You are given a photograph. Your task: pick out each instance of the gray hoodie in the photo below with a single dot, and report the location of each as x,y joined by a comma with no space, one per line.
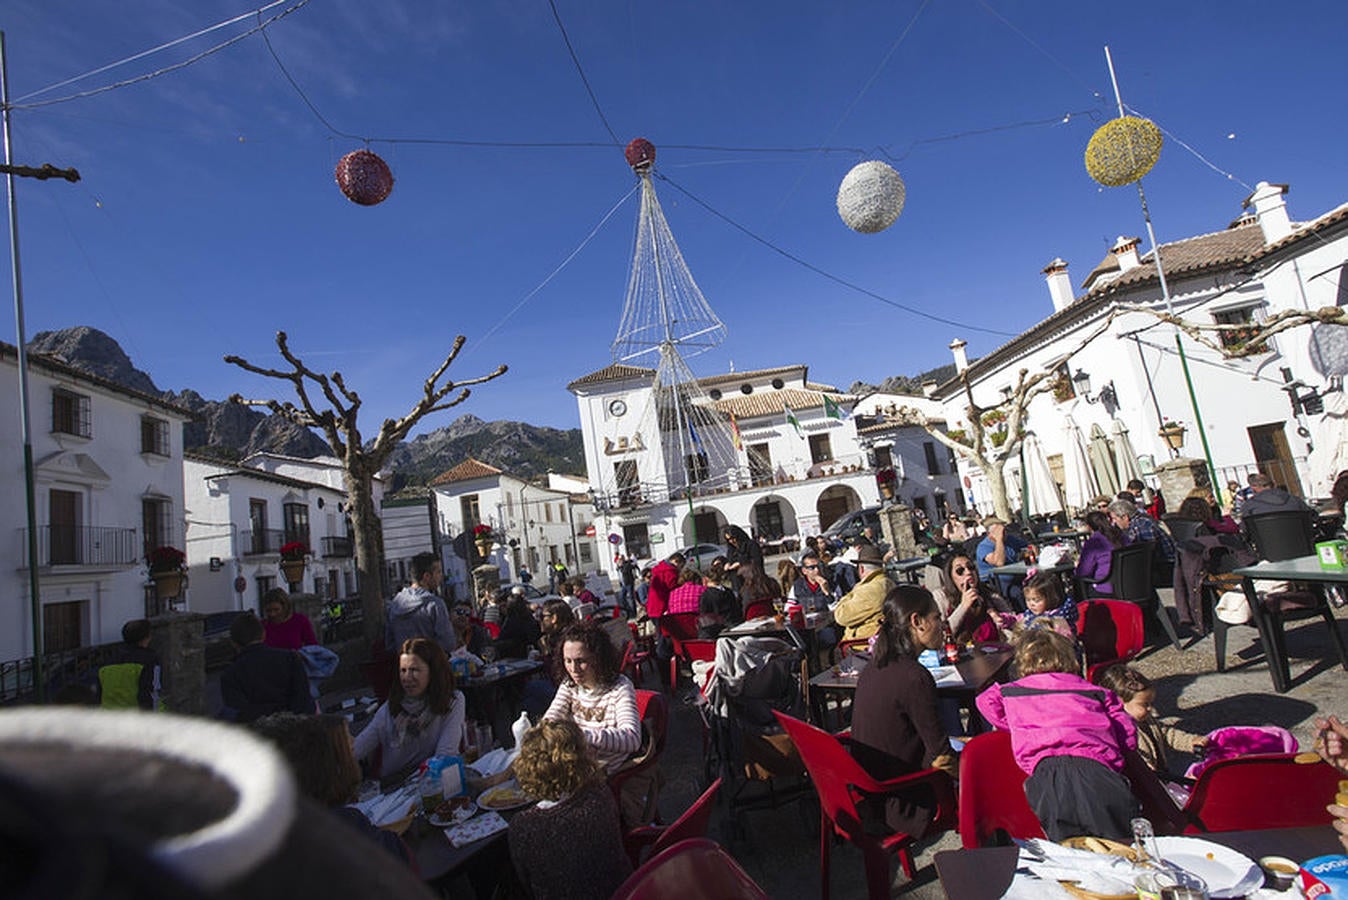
416,612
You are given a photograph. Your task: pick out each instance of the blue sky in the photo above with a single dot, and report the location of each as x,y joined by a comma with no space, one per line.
208,217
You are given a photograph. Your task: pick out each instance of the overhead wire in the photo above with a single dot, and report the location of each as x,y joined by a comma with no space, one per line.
822,272
210,51
557,17
1201,158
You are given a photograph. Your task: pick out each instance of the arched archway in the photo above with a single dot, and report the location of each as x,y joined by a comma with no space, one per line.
835,502
704,525
773,518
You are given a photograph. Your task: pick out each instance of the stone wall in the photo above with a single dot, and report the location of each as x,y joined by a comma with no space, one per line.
179,639
896,523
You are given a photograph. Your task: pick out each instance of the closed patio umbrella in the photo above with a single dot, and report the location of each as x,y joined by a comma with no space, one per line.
1102,462
1041,490
1080,486
1125,457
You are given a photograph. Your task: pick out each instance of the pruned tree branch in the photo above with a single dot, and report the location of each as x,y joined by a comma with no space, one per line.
1203,333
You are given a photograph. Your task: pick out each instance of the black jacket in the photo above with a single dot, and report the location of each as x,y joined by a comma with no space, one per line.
263,680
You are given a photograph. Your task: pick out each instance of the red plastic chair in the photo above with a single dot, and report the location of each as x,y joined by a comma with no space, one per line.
1111,631
680,628
840,782
692,824
1270,790
493,629
695,869
992,793
758,609
653,709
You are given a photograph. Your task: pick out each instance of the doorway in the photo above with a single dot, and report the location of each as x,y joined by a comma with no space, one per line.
1273,457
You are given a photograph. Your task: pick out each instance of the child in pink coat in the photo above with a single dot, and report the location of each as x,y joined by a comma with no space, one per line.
1069,736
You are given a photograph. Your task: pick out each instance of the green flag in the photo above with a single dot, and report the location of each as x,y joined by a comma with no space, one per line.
832,410
791,418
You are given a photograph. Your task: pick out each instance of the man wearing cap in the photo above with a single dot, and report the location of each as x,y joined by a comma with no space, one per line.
859,611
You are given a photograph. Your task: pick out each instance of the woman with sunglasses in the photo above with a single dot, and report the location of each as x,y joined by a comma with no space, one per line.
967,602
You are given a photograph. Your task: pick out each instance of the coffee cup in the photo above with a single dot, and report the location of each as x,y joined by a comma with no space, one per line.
1278,872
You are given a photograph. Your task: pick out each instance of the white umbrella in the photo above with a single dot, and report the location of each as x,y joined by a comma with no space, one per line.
1042,491
1080,487
1125,457
1102,462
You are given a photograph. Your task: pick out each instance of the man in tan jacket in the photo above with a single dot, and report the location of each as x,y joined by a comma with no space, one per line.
860,608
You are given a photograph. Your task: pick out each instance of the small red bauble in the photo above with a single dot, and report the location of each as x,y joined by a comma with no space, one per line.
364,177
640,155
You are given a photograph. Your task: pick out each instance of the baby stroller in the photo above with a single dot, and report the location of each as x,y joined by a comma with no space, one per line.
754,675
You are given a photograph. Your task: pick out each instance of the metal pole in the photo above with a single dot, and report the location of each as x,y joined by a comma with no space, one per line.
1169,304
34,592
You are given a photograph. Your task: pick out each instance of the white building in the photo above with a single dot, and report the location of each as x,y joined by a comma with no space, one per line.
108,476
239,517
534,525
785,482
409,524
1260,264
927,471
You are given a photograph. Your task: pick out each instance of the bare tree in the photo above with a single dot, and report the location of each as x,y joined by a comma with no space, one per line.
1252,337
335,417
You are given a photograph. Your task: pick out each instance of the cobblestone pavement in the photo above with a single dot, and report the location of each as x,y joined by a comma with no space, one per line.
780,848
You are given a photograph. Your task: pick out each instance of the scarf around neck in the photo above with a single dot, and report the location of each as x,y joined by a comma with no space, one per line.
414,718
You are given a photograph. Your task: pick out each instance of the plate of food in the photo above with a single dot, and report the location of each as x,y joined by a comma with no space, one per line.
1228,873
505,796
453,811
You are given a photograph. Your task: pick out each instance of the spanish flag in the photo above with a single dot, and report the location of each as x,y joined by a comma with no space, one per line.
735,433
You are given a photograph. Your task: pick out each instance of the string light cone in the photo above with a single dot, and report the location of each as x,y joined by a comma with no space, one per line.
364,177
1123,150
871,197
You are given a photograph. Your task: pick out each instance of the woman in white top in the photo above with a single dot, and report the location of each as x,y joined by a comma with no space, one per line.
954,531
423,717
595,695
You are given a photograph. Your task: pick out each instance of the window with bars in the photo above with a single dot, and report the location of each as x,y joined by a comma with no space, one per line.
1247,316
70,413
154,436
296,523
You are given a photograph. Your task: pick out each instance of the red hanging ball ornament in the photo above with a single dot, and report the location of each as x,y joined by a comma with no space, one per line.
640,155
364,177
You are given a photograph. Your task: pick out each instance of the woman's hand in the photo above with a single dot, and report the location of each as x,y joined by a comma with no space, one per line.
969,597
1332,742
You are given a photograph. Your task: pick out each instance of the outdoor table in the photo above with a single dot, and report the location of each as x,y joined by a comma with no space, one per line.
911,567
484,690
1302,568
1052,537
986,872
976,671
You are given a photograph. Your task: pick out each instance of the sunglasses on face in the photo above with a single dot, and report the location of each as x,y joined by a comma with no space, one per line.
809,567
961,570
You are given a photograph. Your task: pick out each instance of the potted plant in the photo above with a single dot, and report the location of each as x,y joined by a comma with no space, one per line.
484,537
887,479
1172,433
167,571
292,562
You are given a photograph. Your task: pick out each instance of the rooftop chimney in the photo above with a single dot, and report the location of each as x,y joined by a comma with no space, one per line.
961,358
929,388
1271,210
1125,252
1059,284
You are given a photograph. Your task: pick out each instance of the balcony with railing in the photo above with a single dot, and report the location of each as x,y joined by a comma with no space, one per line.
81,545
258,543
337,548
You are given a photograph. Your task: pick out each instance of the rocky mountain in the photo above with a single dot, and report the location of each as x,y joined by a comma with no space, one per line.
231,431
905,384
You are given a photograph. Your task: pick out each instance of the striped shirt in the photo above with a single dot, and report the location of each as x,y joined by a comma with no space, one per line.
607,716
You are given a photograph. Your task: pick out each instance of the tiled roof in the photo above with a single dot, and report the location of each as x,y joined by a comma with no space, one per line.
615,372
1190,256
887,425
816,386
466,471
233,469
767,403
751,375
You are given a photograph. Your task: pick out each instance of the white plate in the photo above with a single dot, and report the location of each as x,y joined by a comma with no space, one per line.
1228,873
503,796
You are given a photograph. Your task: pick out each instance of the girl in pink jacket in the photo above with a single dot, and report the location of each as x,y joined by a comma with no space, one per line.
1069,736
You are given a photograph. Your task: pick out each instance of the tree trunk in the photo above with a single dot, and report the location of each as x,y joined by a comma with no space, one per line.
369,557
1001,504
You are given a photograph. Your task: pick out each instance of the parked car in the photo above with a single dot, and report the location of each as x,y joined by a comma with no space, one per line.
531,593
853,524
699,556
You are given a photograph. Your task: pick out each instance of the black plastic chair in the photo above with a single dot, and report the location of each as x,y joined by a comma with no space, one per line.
1279,536
1130,578
1183,529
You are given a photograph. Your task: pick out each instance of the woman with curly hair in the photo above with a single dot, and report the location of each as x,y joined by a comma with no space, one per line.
594,694
569,846
423,716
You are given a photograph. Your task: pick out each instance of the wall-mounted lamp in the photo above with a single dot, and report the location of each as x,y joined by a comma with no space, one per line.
1081,382
1310,404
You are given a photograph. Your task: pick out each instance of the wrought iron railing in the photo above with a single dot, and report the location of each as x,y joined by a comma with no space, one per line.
78,666
337,547
257,543
81,545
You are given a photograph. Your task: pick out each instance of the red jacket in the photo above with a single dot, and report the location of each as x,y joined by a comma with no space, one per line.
664,578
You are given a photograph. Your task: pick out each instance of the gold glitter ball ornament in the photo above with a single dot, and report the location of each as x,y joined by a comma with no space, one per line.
1123,150
871,197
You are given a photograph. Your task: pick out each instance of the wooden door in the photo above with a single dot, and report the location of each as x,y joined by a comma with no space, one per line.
1274,457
